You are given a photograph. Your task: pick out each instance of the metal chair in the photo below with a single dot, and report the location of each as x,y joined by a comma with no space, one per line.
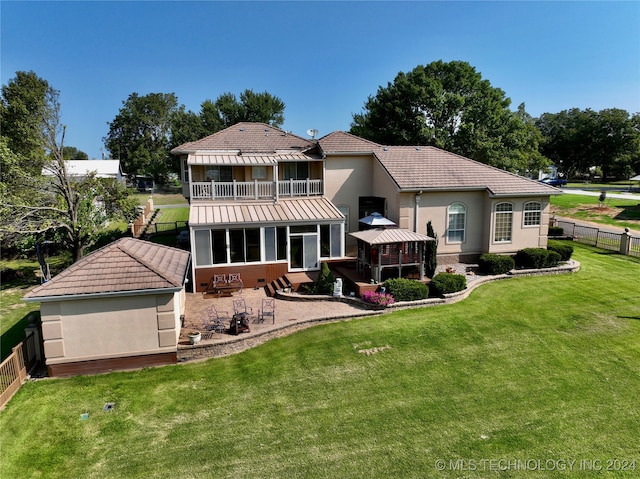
239,306
268,310
217,319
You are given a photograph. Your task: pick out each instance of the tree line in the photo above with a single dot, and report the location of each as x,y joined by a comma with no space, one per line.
445,104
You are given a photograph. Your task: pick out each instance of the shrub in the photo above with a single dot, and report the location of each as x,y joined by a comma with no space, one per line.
324,283
403,289
431,252
371,297
556,231
564,249
491,263
535,258
444,283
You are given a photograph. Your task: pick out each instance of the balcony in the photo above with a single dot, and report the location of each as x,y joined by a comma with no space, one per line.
254,190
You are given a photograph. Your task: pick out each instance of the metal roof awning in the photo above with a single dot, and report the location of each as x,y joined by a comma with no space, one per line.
285,211
389,235
239,159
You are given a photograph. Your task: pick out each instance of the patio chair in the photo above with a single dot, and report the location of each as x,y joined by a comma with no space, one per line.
217,319
268,310
239,306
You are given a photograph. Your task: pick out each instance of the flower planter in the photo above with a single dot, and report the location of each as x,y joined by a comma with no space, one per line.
194,338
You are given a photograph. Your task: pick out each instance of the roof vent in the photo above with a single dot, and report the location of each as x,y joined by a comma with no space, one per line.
241,129
385,149
417,148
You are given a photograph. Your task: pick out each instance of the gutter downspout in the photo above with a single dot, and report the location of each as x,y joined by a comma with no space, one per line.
416,216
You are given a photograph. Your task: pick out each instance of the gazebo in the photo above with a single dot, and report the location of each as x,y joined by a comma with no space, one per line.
390,248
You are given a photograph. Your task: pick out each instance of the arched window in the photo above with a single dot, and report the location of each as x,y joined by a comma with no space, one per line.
456,221
532,213
503,223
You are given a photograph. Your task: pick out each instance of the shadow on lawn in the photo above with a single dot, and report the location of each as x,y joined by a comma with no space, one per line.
15,334
629,212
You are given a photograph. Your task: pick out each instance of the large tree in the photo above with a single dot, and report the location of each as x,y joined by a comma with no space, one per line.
72,210
577,140
139,135
22,114
225,111
450,106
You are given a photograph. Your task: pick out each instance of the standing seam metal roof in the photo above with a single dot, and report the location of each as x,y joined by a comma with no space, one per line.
285,210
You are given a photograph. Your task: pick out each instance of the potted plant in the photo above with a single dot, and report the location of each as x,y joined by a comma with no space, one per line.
194,337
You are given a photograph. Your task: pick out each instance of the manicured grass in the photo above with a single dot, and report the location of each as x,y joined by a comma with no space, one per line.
526,369
626,213
171,215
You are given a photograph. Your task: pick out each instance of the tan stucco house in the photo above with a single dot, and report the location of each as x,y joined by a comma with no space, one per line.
265,202
119,307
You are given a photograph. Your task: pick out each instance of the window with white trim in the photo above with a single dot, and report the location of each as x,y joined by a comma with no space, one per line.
456,221
503,223
345,211
532,213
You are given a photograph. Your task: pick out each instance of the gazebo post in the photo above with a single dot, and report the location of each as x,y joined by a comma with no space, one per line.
420,255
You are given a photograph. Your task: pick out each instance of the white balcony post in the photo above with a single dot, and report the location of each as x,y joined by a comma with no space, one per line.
213,190
255,188
235,190
290,186
308,187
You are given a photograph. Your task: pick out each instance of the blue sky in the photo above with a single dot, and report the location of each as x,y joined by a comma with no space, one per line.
323,59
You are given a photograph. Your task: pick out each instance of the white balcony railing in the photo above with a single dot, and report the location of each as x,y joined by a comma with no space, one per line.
215,190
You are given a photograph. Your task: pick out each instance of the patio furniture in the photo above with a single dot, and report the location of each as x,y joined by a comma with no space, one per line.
217,319
220,285
268,310
239,324
239,306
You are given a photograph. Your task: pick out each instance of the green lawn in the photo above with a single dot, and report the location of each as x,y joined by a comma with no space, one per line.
171,215
527,369
618,212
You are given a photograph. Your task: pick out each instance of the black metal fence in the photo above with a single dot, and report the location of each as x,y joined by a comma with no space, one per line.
162,229
620,242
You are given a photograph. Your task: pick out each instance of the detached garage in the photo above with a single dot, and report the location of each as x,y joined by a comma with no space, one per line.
117,308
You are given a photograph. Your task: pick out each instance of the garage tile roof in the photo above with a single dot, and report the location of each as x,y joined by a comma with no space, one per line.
125,265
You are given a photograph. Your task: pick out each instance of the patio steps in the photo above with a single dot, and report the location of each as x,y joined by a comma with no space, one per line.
293,280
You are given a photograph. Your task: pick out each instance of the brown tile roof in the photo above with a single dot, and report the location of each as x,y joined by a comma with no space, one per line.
341,142
125,265
287,210
249,137
430,168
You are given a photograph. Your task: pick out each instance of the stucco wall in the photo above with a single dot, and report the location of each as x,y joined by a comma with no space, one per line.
80,330
346,179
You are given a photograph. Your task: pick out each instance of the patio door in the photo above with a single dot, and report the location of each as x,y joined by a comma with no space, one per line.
303,251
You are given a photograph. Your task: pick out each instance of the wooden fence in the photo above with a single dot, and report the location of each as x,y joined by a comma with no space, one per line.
14,369
623,243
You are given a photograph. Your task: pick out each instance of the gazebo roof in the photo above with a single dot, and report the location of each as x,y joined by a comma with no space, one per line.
389,235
